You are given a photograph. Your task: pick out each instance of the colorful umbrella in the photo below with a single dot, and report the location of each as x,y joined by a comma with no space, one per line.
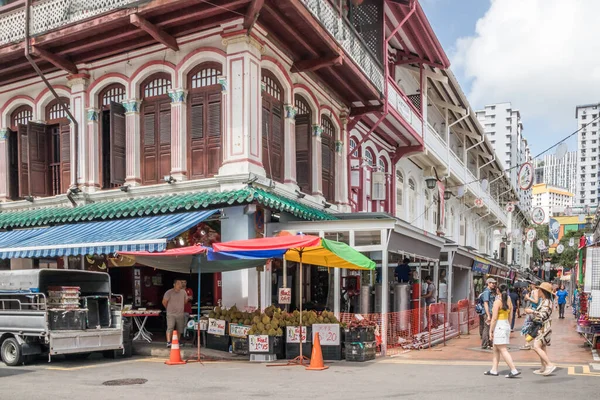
302,249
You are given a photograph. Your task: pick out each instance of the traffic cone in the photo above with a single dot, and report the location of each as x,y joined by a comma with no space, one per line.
175,356
316,359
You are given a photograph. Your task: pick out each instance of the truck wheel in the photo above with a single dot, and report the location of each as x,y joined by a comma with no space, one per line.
11,352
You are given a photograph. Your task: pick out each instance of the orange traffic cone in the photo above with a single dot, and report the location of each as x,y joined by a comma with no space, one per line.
316,359
175,356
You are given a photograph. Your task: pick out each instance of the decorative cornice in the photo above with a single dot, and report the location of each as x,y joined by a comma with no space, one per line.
78,79
132,106
290,111
178,95
92,115
222,80
243,38
317,130
4,133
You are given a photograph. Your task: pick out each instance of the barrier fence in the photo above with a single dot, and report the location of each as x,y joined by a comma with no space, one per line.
412,329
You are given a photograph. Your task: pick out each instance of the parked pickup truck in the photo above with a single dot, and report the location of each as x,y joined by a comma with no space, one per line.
58,312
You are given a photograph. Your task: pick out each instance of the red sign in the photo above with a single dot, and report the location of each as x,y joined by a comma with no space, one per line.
285,295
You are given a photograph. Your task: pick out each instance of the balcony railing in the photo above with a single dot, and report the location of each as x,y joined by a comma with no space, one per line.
345,35
53,14
399,102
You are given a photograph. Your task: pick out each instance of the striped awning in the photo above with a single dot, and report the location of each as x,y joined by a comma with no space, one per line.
103,237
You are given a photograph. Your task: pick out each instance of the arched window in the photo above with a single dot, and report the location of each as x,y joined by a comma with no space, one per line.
112,138
426,204
272,126
353,146
412,200
21,116
369,158
204,128
55,111
328,158
57,151
156,128
399,194
303,144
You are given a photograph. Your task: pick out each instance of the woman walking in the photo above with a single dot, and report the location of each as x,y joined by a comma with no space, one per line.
562,295
533,299
500,332
541,315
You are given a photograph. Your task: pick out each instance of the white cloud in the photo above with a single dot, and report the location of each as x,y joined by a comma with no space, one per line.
542,55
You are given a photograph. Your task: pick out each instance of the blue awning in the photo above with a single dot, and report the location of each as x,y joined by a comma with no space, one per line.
104,237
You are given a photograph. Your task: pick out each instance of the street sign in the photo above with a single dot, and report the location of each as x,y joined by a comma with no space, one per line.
526,176
560,248
538,215
510,207
531,234
541,245
571,242
479,202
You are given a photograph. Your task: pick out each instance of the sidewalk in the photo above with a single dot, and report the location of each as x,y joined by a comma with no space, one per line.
160,350
567,346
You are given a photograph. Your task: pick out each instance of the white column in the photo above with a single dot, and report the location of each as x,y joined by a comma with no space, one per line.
4,165
133,142
450,279
289,149
342,167
337,281
79,151
242,136
93,160
178,134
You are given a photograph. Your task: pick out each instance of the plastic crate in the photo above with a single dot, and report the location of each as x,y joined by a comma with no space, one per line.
360,351
292,350
239,346
365,334
217,342
331,353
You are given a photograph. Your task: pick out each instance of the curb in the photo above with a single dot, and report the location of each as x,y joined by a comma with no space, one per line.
186,353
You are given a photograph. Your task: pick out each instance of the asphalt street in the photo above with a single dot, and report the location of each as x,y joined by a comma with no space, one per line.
386,378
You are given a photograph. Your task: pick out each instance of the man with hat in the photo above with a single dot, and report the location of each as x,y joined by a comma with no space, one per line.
488,296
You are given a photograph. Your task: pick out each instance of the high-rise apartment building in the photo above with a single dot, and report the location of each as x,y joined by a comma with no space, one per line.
553,200
587,143
558,172
504,129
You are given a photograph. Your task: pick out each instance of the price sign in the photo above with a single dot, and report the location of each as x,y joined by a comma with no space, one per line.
203,324
239,331
329,334
258,344
216,326
293,334
285,295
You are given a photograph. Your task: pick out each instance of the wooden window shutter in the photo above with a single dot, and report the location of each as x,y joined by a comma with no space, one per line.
65,157
197,149
165,138
328,160
37,147
23,162
303,154
149,159
213,130
13,165
266,134
276,144
117,144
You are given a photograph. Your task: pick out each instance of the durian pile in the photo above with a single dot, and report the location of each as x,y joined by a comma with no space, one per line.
274,320
232,315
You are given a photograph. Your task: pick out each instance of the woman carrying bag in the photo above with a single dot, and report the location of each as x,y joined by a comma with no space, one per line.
542,316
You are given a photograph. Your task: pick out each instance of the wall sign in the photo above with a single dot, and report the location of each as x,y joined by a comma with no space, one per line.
538,215
481,267
510,207
216,326
258,344
541,245
293,334
531,234
526,176
329,334
479,202
285,295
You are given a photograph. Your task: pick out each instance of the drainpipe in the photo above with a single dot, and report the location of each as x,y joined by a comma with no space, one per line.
64,107
448,137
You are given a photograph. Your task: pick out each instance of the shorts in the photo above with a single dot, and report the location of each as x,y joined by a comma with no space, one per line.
176,322
502,332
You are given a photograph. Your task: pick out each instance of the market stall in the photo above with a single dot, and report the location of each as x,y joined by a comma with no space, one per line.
587,301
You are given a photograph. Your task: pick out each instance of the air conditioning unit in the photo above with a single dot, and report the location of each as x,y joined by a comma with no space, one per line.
378,186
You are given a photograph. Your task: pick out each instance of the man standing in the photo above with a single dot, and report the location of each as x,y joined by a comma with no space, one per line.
488,296
430,297
402,271
174,301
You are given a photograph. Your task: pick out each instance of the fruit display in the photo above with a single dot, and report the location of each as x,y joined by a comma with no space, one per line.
354,324
232,315
273,320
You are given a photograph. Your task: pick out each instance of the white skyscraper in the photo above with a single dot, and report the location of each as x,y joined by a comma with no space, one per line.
586,192
504,129
558,172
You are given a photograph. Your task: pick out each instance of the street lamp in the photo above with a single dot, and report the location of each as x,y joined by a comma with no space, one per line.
447,194
431,181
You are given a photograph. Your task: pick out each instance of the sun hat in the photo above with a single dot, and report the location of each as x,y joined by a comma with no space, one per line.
490,280
547,287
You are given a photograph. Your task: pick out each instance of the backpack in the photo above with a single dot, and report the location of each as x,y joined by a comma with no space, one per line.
479,309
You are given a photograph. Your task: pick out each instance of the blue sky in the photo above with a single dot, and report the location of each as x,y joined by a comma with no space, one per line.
509,50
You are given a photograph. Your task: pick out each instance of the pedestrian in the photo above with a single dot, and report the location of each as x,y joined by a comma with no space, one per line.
542,315
174,301
514,298
562,295
533,299
430,296
402,271
502,310
488,296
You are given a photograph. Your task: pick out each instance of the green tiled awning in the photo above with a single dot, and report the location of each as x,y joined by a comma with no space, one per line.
144,206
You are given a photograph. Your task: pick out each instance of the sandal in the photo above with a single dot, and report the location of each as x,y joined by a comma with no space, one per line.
539,372
511,375
550,370
490,373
